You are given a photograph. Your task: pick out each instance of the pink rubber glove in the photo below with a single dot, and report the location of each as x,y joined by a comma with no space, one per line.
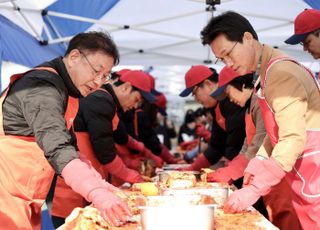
134,144
109,186
119,169
148,154
265,174
233,171
201,131
198,164
167,156
86,181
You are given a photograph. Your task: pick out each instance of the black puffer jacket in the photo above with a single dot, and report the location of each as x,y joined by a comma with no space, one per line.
35,106
227,143
146,133
95,115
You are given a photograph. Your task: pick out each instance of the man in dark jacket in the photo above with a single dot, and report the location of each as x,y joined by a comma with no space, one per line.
97,114
93,126
34,138
228,125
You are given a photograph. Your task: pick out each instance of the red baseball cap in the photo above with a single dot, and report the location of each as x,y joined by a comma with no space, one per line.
162,104
122,71
195,75
306,22
226,75
140,80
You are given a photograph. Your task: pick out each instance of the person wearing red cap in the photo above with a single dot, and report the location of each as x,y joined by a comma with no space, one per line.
36,113
239,89
129,149
228,130
140,124
307,32
93,127
288,96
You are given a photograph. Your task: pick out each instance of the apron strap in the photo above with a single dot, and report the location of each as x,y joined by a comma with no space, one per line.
14,78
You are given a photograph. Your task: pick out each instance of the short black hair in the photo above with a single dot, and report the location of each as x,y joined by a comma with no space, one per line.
215,76
199,112
245,80
94,41
114,76
189,116
231,24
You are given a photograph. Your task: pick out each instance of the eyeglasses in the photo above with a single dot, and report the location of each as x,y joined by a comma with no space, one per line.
97,74
227,55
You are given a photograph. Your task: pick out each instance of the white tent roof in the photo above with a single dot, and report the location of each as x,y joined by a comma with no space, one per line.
168,31
165,34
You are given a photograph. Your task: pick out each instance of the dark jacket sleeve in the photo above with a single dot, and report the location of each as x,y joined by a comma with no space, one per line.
120,134
42,103
217,144
147,134
95,115
235,127
227,143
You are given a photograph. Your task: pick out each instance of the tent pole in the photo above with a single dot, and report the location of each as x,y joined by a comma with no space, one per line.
54,29
17,8
82,19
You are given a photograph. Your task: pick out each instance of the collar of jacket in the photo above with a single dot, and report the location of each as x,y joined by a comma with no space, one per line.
109,88
60,67
267,54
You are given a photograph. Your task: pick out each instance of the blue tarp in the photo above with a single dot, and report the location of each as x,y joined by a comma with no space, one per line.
315,4
84,8
18,46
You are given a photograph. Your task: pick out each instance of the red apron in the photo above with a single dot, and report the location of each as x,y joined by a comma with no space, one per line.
132,161
65,199
280,210
25,176
129,159
305,176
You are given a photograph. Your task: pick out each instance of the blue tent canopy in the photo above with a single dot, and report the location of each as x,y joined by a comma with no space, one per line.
83,8
19,46
315,4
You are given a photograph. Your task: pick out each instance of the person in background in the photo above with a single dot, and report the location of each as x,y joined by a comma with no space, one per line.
307,32
164,129
202,133
93,126
202,125
228,128
289,100
239,89
130,149
187,129
35,142
139,124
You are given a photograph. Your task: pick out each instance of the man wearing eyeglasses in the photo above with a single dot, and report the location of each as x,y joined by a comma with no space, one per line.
307,32
228,124
93,126
35,143
289,100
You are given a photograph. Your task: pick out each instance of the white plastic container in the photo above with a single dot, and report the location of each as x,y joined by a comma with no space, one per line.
173,213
